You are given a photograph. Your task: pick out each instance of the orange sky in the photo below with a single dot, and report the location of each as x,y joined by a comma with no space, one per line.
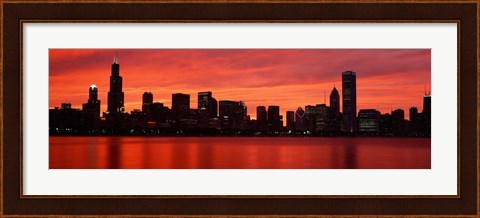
386,78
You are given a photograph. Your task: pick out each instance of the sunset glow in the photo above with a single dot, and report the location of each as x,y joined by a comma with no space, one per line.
386,78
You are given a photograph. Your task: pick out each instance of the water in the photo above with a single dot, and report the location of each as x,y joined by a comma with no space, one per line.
238,153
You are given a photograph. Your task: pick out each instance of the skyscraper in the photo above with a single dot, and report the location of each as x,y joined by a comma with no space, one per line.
207,105
310,114
349,95
261,117
91,109
398,121
243,113
274,119
180,103
261,113
415,124
115,95
93,94
369,120
233,113
335,101
413,114
290,120
427,104
300,119
93,104
427,113
147,101
322,118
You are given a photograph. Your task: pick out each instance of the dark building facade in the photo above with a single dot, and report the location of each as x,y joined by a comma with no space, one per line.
369,120
137,121
310,116
65,120
233,113
274,119
159,113
300,119
262,118
416,126
91,109
413,114
322,118
427,104
207,105
349,106
115,95
180,103
147,101
290,120
335,101
228,108
427,113
398,121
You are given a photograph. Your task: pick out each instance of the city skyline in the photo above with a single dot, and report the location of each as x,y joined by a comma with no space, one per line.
261,92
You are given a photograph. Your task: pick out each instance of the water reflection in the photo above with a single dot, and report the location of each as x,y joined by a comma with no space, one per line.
350,155
114,154
238,153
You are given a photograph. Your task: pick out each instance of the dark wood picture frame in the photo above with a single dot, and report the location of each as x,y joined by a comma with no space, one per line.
13,13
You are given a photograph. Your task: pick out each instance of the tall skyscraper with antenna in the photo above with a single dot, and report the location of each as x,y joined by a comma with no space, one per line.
115,95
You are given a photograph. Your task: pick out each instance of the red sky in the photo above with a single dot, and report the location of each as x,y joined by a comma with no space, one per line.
386,78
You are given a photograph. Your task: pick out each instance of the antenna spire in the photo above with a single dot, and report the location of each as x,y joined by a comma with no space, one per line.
115,59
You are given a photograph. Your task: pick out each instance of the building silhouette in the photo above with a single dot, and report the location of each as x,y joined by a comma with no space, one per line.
398,121
91,109
262,118
115,95
290,120
427,104
115,118
369,120
147,101
180,103
386,125
273,117
335,101
207,105
159,114
427,112
300,119
349,94
137,121
310,114
413,113
415,120
322,117
233,114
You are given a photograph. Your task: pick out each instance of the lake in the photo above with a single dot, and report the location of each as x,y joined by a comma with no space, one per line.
238,153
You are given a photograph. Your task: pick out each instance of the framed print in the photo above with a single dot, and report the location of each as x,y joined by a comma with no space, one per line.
239,108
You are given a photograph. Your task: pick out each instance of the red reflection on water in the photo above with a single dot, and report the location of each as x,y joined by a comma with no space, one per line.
238,153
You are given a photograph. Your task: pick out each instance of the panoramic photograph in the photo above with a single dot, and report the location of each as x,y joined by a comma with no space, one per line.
239,108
